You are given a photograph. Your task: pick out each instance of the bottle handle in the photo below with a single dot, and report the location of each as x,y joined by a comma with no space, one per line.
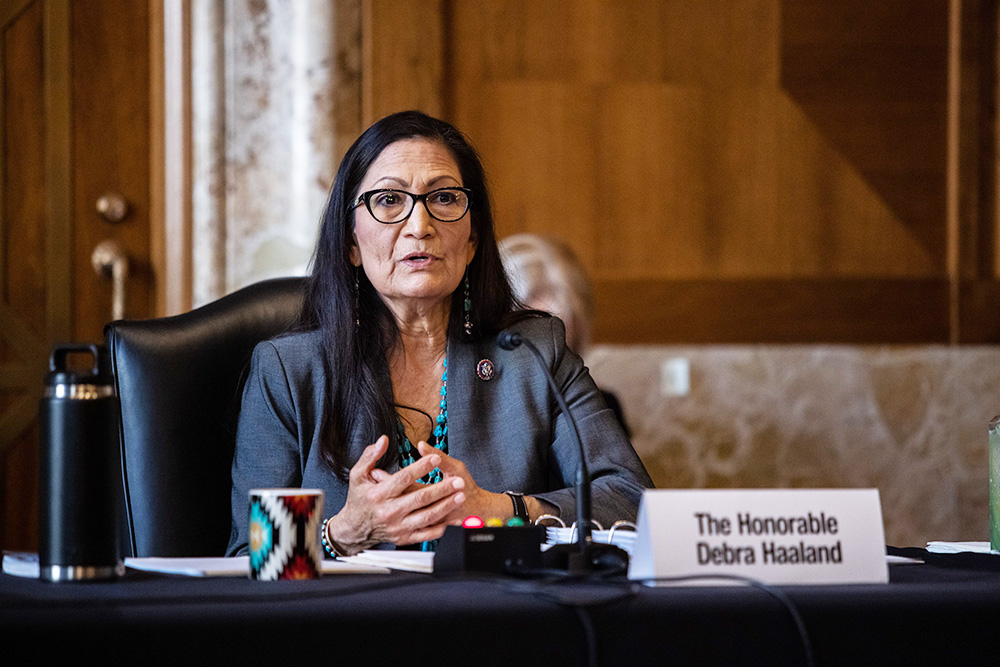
57,362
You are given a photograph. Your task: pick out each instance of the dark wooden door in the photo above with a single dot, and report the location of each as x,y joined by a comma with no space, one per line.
74,127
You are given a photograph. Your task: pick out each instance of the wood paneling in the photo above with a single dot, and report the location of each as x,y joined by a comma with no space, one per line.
973,215
977,141
25,264
979,311
403,42
873,77
786,162
111,128
773,311
685,159
35,308
348,109
24,203
74,124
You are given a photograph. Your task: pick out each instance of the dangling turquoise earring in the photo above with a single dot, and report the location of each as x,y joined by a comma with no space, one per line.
468,305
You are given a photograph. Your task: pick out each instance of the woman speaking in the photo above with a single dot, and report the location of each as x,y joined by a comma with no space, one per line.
392,395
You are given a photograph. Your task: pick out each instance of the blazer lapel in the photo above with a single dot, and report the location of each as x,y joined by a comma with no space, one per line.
469,396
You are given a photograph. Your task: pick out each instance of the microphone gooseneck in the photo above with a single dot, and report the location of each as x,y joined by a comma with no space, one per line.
585,556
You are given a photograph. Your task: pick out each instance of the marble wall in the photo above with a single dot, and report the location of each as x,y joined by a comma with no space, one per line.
909,421
266,76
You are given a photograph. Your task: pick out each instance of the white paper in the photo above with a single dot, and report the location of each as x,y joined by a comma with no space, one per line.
624,539
902,560
20,564
24,564
959,547
410,561
233,567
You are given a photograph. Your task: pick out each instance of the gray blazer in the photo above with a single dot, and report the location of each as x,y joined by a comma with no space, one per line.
509,431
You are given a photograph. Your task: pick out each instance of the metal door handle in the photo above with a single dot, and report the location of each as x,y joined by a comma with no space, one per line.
110,260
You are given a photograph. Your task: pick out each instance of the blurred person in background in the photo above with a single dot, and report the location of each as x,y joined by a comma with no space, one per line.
546,275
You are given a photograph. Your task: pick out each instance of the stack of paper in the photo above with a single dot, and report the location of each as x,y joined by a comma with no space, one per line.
237,566
959,547
26,565
411,561
622,538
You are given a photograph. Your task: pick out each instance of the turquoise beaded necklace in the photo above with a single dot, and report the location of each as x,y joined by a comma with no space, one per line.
408,452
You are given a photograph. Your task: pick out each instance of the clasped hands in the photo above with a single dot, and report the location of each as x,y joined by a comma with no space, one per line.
384,507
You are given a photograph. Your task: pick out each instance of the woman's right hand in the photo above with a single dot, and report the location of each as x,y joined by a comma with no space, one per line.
393,508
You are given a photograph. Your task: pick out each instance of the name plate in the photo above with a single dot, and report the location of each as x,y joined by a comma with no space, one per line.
790,536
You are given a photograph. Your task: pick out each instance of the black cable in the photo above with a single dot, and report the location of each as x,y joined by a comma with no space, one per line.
774,592
550,589
588,633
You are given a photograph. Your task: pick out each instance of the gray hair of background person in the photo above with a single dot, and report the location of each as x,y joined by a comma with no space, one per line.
547,275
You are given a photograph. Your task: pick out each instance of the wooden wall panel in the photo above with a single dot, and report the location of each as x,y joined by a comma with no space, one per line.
800,144
977,252
524,159
701,166
976,258
24,265
873,77
22,245
74,124
651,209
774,311
111,128
403,40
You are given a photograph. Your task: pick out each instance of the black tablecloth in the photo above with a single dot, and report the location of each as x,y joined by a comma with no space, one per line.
926,614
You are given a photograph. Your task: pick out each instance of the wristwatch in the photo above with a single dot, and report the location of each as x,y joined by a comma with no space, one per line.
520,507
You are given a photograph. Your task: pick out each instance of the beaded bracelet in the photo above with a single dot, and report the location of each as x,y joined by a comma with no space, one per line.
327,545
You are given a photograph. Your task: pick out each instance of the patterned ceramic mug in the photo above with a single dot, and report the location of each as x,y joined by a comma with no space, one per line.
284,525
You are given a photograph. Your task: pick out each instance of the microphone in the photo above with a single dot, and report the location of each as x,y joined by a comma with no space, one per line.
508,340
584,556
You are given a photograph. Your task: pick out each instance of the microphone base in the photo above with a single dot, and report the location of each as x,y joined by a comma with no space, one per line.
594,558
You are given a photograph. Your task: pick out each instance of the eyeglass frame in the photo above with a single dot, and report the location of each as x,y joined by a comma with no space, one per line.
365,198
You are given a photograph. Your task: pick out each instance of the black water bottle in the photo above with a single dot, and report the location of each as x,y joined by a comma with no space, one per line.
80,471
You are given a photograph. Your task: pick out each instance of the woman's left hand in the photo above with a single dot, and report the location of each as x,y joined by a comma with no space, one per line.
479,501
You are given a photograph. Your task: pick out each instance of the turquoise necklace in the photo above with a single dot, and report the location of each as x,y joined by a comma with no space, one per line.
408,452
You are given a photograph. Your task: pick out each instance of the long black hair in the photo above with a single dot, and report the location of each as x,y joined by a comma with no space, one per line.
356,341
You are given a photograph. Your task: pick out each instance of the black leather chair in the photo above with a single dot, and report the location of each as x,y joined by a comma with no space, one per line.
179,380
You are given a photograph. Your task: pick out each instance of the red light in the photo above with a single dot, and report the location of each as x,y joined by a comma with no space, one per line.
472,522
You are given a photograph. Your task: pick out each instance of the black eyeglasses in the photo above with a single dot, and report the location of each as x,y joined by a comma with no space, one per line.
391,206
